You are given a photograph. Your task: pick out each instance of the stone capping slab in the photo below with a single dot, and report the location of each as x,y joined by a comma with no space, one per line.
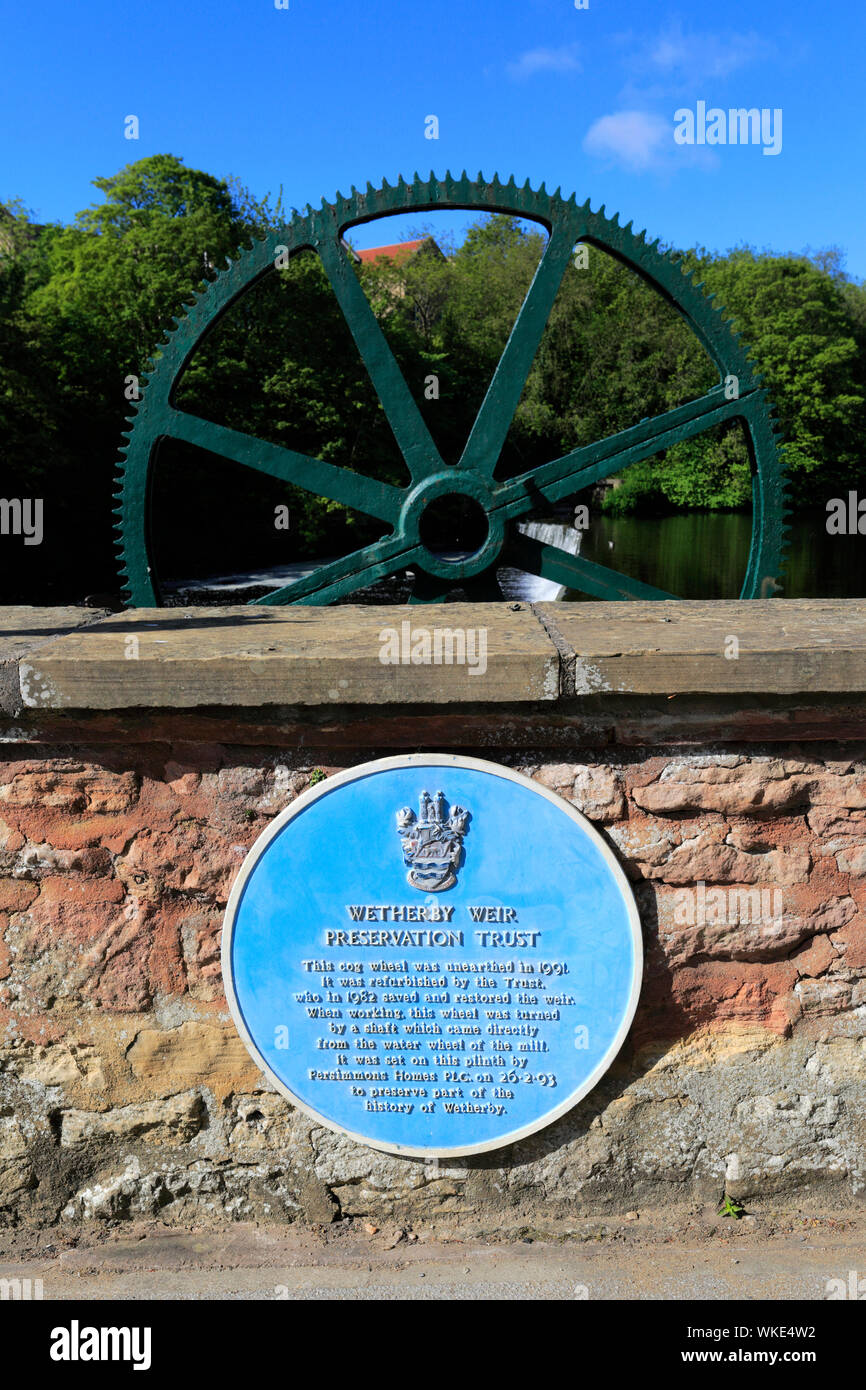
253,656
250,656
790,646
25,628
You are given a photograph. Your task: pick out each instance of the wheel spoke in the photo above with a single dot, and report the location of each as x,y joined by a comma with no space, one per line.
412,435
503,395
592,462
484,587
428,588
572,571
341,577
363,494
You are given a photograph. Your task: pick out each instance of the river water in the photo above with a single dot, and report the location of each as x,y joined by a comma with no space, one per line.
704,555
692,555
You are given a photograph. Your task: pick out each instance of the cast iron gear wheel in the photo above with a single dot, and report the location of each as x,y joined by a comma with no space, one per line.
504,502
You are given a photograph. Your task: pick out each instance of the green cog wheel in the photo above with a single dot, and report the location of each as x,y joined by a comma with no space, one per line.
504,502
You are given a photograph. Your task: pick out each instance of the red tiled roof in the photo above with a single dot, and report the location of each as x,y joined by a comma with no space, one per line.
398,253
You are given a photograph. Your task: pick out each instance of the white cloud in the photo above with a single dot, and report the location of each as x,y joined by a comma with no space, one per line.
636,139
537,60
699,56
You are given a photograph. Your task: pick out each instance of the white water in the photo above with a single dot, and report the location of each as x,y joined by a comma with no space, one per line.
529,586
516,584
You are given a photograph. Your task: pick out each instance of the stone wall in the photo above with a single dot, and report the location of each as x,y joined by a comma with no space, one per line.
124,1088
131,790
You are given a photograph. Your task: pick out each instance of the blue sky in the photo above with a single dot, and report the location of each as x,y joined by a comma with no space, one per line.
331,92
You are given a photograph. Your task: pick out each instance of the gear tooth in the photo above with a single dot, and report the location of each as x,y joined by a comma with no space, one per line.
614,221
629,228
370,190
558,193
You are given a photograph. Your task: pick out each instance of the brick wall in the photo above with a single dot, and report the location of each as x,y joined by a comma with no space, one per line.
124,1088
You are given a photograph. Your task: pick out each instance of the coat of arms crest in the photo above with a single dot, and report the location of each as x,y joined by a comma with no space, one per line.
432,842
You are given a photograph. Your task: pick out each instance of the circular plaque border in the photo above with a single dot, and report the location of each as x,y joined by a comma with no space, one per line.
353,774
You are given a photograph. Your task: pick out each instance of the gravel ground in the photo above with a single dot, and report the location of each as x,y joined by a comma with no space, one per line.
646,1257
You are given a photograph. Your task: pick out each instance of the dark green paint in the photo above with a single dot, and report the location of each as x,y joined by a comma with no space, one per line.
505,502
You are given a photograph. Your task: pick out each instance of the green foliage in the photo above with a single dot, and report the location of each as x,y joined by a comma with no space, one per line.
731,1207
800,320
83,307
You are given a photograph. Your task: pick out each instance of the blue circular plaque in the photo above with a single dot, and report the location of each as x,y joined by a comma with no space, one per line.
432,954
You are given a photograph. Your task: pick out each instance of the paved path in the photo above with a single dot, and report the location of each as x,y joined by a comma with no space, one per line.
246,1262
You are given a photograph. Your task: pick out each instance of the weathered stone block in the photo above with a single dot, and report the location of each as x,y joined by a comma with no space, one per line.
175,1120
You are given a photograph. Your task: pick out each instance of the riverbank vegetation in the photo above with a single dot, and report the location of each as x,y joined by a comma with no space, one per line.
83,306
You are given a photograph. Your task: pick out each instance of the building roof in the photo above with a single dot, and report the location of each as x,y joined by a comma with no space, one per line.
399,253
